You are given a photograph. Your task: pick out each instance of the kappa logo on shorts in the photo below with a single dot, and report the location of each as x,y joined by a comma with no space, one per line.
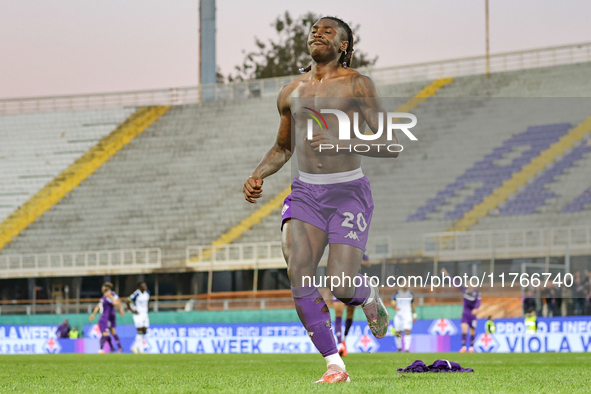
285,208
352,235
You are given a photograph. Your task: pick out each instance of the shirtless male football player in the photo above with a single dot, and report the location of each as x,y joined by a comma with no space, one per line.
331,198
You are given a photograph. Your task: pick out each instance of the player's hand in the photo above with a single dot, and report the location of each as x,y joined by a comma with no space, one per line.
474,311
324,139
122,313
414,320
253,188
91,317
397,309
134,312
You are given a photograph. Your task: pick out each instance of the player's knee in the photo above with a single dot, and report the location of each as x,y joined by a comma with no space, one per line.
300,275
343,294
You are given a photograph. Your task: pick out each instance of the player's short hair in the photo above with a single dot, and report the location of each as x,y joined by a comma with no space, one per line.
140,283
346,56
108,285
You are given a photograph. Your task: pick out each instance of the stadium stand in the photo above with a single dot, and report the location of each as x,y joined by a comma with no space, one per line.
71,177
170,186
37,147
580,203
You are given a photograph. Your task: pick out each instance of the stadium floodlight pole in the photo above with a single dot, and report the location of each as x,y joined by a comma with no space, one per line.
207,52
487,37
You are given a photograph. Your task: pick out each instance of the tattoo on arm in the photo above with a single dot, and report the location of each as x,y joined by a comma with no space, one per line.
280,152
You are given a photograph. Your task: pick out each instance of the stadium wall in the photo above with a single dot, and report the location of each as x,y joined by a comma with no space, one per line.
216,317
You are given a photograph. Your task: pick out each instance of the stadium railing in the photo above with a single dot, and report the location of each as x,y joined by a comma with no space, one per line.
443,246
132,261
500,62
507,244
235,256
223,301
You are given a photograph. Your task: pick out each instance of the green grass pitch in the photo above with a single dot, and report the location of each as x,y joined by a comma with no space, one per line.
266,373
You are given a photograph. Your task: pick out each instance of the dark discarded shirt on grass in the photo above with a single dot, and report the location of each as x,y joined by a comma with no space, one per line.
437,366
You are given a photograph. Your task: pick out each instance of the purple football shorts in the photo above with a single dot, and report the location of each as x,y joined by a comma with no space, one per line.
112,321
470,319
343,210
104,325
286,211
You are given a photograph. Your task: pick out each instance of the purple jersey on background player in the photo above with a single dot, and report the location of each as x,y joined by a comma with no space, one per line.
107,319
471,302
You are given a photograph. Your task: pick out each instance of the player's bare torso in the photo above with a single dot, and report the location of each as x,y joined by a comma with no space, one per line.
335,92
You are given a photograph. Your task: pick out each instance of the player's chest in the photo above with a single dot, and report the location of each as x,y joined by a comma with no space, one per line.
321,97
339,87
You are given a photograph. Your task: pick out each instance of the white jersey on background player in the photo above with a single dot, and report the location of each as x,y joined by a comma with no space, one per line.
402,302
141,300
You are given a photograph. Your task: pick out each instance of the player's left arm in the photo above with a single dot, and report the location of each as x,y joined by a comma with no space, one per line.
414,311
372,109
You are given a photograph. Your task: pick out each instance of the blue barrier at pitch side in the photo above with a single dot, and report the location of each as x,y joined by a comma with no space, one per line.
564,334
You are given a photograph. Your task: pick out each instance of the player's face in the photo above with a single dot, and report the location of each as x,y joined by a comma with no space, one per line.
143,287
324,41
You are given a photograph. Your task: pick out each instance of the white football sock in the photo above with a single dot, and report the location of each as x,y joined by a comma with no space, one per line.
136,342
398,342
407,340
335,359
141,344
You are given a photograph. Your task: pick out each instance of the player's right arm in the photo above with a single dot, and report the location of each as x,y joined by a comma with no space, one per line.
394,304
131,299
128,304
278,155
